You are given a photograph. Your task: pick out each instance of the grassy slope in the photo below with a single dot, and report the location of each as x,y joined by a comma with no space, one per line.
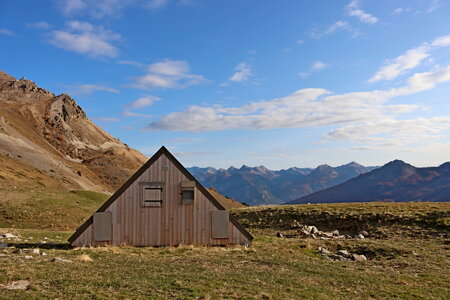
404,262
42,209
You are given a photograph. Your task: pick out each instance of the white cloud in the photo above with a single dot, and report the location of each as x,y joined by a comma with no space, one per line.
130,63
409,60
434,5
157,4
354,11
195,153
402,131
243,72
5,31
85,38
111,8
442,41
168,74
84,89
106,119
39,25
139,104
143,102
316,66
182,141
304,108
93,8
335,27
400,10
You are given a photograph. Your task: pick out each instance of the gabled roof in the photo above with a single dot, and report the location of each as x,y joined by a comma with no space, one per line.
135,176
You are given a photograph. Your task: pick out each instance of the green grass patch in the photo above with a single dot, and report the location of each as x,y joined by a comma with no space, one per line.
43,209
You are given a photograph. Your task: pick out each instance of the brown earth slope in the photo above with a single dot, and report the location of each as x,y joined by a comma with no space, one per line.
47,141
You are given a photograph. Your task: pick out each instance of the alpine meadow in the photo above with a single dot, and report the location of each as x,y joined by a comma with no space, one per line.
193,149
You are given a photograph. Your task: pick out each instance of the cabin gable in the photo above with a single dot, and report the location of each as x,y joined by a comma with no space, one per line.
161,205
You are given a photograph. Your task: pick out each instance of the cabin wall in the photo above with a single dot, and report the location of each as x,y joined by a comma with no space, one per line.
171,224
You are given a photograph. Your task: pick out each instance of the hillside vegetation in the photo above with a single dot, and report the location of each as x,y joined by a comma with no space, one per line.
406,248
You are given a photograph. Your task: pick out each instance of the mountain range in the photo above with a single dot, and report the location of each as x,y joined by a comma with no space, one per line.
48,142
259,185
396,181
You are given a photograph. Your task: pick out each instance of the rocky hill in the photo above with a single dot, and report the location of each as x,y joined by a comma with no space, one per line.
396,181
47,141
259,185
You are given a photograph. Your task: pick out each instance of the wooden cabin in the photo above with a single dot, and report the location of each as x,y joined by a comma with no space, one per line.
162,204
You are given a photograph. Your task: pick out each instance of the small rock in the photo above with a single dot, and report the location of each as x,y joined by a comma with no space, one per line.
28,257
314,230
9,235
359,257
17,251
359,236
35,251
280,235
364,233
335,232
324,251
43,253
343,253
338,258
17,285
326,234
3,245
59,259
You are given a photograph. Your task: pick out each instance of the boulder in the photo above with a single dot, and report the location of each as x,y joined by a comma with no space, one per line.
359,236
359,257
9,236
17,285
324,251
335,232
35,251
280,235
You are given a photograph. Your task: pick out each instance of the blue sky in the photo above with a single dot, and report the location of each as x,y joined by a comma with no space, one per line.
221,83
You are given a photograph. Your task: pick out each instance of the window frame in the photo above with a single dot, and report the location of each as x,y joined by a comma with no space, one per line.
150,202
188,186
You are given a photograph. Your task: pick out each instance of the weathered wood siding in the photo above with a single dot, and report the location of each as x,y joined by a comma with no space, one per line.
169,225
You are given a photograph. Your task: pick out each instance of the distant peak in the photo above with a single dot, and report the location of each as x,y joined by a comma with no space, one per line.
445,166
396,162
353,163
324,167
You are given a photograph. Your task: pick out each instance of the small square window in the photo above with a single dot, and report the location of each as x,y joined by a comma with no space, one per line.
187,192
152,194
188,197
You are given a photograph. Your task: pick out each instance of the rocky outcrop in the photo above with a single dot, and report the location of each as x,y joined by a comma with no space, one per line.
53,136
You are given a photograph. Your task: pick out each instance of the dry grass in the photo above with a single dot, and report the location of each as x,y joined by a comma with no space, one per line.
399,266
